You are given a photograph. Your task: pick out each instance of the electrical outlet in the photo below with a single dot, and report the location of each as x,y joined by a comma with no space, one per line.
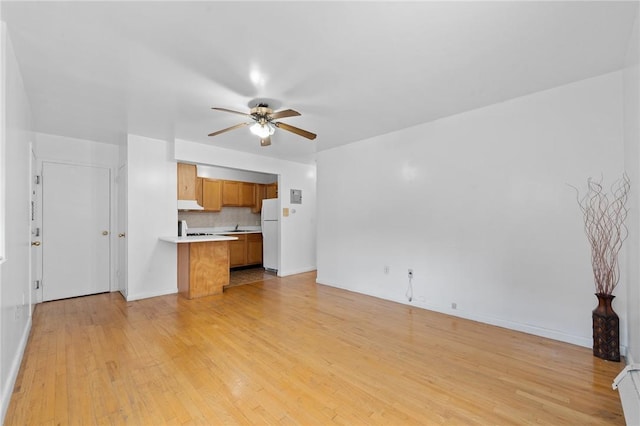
454,305
386,269
410,273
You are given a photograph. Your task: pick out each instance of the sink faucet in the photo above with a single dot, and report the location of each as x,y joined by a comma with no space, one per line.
237,227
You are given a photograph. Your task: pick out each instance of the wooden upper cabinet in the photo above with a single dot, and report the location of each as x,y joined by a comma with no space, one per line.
238,194
271,190
199,190
187,176
211,195
230,193
259,196
263,191
247,194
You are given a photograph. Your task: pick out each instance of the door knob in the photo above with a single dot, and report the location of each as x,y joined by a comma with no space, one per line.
35,243
121,235
105,232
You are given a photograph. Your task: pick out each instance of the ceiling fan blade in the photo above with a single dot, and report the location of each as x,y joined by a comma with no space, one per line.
232,111
284,113
265,141
296,130
237,126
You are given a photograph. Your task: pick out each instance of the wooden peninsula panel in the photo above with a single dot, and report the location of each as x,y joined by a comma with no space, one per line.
203,268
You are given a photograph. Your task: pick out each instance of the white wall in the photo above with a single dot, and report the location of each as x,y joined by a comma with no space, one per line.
76,151
298,231
214,172
52,148
478,205
632,164
15,290
152,213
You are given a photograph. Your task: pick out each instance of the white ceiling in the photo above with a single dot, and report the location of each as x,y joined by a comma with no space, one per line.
100,70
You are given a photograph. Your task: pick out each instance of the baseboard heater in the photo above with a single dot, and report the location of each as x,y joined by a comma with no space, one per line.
628,385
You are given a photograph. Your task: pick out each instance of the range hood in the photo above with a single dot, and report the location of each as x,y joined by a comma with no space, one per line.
189,205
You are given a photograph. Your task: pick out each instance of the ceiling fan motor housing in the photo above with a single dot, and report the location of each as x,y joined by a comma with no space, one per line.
260,113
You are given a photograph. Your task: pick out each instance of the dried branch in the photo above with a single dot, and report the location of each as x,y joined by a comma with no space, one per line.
604,216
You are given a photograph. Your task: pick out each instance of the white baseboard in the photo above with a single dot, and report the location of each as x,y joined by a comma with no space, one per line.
137,296
7,389
288,272
586,342
629,358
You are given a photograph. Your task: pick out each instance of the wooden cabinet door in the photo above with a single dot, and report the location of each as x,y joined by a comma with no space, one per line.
247,194
187,175
230,193
212,195
254,249
238,251
271,190
259,196
199,191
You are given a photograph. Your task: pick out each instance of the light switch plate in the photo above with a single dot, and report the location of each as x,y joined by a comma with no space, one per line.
285,211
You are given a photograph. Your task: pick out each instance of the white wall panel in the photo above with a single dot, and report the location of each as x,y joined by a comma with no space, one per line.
632,163
15,291
152,213
214,172
478,206
77,151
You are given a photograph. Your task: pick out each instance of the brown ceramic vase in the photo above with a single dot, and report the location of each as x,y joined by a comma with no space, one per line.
606,329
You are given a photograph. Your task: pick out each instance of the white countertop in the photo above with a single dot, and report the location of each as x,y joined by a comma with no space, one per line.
220,234
197,239
239,232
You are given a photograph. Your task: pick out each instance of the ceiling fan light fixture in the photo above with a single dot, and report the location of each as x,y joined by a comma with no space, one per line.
262,130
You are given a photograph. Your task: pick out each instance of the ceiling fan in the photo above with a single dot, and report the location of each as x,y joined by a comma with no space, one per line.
263,124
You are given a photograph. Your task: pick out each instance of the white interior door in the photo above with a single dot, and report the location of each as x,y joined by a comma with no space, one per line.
75,230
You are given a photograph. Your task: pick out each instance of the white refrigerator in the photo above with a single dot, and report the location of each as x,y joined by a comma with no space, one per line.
270,234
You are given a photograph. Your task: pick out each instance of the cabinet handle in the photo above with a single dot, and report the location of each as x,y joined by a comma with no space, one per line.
35,243
105,232
121,235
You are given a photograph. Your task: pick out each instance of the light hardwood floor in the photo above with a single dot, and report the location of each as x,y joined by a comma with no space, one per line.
288,351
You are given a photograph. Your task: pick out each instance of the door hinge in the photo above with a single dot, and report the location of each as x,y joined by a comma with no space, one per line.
37,179
37,232
36,284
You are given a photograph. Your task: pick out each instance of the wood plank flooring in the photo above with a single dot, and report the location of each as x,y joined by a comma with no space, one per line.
289,351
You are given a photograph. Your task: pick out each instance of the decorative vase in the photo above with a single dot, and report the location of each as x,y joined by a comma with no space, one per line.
606,329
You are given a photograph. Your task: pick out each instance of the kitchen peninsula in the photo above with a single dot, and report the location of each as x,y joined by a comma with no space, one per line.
203,264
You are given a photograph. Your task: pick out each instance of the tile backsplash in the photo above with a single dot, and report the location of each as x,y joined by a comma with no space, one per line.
228,216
